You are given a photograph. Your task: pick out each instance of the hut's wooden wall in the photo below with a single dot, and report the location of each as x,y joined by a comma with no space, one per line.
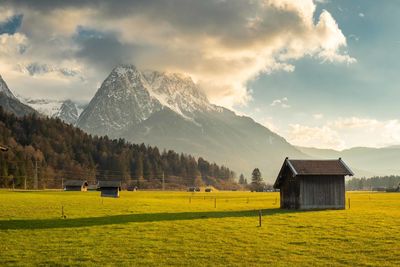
322,192
290,193
109,192
73,188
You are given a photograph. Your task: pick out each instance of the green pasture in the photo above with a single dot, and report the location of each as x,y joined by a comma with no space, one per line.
186,229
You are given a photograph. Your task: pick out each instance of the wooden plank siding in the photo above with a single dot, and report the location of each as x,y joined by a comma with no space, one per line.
290,193
110,192
322,192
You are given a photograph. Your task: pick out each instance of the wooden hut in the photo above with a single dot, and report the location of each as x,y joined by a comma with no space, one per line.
75,185
92,187
312,184
109,188
3,148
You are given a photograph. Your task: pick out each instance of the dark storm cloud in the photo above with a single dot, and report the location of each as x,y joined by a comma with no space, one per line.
102,49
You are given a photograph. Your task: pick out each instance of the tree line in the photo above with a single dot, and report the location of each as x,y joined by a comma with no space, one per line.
54,151
391,181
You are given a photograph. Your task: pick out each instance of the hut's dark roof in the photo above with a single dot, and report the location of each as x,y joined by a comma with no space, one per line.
3,148
319,167
75,183
109,184
313,167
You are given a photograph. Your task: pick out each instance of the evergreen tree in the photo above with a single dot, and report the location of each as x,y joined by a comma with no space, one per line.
241,179
256,180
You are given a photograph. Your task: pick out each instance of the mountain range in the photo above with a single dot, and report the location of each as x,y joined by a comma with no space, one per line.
170,111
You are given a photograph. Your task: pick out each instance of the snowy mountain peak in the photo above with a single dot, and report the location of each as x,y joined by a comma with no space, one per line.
66,110
46,107
175,91
122,100
178,92
124,69
129,96
5,90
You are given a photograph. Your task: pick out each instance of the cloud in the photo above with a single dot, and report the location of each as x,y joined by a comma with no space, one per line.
36,69
283,103
13,45
355,37
318,116
354,122
322,137
361,15
222,44
344,133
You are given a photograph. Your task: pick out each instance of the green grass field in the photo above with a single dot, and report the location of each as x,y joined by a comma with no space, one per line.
169,228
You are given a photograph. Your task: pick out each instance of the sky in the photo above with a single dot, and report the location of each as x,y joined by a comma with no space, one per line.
320,73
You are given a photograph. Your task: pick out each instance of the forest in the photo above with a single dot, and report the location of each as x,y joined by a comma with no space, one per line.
372,183
44,152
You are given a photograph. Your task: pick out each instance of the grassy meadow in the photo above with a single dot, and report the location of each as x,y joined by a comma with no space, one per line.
186,229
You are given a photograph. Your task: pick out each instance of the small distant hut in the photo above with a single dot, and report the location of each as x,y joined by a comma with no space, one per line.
109,188
3,148
193,189
92,187
393,189
75,185
312,184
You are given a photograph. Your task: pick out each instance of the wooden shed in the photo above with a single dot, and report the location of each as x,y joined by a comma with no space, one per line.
312,184
92,187
3,148
75,185
109,188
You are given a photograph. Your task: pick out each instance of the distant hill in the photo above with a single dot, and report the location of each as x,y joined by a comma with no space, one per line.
363,160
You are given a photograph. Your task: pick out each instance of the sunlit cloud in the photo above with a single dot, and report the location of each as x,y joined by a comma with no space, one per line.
283,103
344,133
222,44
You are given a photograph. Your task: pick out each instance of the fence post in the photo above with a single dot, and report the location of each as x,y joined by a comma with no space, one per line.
62,212
215,202
349,203
259,218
